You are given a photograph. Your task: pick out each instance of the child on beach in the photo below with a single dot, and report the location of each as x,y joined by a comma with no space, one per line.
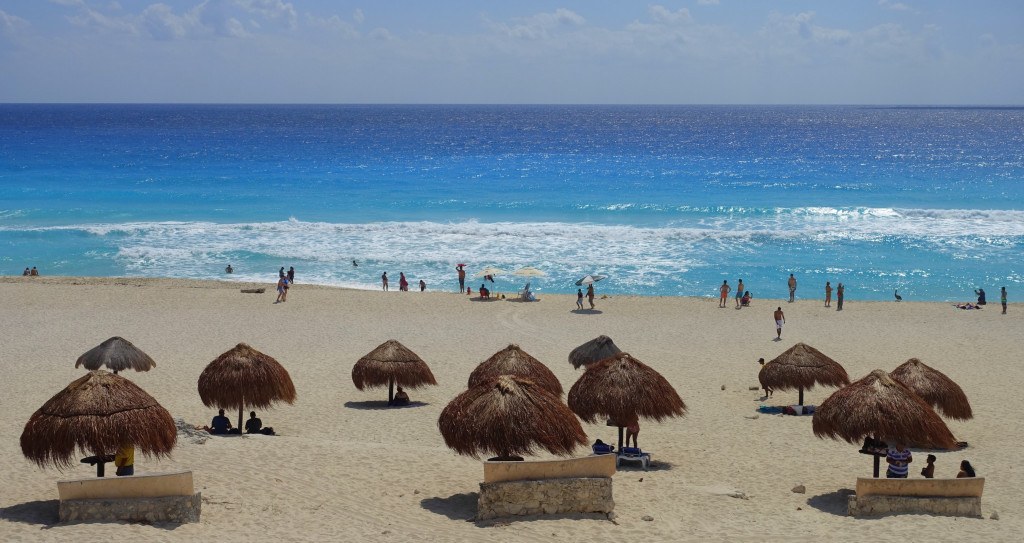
579,298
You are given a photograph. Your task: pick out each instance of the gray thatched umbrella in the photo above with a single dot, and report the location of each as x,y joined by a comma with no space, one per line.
97,413
624,389
801,367
117,354
512,360
592,351
878,406
934,387
509,415
389,364
244,377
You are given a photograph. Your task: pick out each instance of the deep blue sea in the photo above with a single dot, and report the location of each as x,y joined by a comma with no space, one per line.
664,200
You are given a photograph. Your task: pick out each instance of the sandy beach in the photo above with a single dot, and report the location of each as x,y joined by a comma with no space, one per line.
345,467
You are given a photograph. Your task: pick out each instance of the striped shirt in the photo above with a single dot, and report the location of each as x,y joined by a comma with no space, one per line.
899,456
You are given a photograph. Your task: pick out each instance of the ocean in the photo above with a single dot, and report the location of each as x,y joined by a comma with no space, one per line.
664,200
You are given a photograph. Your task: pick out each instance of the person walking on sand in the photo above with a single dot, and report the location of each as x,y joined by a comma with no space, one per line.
462,278
723,293
291,275
739,294
384,280
1002,299
840,290
403,283
780,319
828,294
280,272
590,295
792,288
282,289
579,298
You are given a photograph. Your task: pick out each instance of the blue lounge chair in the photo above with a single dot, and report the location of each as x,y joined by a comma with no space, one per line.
633,454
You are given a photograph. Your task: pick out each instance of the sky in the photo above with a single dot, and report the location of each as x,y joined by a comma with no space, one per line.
928,52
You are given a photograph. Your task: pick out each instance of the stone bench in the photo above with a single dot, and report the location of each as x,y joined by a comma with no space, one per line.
950,497
151,497
547,487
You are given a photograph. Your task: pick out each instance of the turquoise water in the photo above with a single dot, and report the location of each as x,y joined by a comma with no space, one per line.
665,200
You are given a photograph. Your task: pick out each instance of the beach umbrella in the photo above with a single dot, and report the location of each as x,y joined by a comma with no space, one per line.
117,354
592,351
96,414
244,377
935,388
509,416
489,270
624,389
512,360
881,407
389,364
529,271
801,367
590,279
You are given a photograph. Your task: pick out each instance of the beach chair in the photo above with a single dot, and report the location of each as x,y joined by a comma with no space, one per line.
633,454
525,294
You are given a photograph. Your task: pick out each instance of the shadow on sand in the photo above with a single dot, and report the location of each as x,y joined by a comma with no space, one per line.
380,405
43,512
586,311
455,507
833,502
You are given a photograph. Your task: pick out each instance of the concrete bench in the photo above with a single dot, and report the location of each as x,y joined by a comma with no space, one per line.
547,487
951,497
586,466
152,497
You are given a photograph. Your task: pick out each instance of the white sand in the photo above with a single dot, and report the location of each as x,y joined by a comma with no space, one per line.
345,469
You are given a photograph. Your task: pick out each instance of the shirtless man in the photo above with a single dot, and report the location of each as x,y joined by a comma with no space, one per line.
739,294
384,280
723,293
780,319
792,287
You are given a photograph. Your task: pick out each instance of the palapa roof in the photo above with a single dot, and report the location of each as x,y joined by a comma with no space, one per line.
880,406
592,351
391,362
509,415
624,388
512,360
934,387
97,414
244,377
802,366
117,354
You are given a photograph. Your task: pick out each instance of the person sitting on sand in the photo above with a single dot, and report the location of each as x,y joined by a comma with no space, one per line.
898,457
219,425
34,272
981,296
254,424
929,470
745,301
966,470
401,397
26,273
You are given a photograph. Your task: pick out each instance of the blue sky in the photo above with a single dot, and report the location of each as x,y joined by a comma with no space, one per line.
598,51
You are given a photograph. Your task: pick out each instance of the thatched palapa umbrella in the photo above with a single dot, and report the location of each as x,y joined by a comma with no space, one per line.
881,407
389,364
592,351
934,387
624,389
117,354
97,413
801,367
508,416
512,360
244,377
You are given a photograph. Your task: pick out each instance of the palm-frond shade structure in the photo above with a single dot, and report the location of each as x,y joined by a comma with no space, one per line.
934,387
509,416
512,360
624,389
244,377
881,407
593,351
116,354
390,364
801,367
97,414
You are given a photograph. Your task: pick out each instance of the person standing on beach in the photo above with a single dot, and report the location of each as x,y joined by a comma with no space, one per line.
792,287
280,272
291,274
403,283
282,289
423,285
1002,299
840,290
780,319
739,294
723,293
462,278
828,294
590,295
384,280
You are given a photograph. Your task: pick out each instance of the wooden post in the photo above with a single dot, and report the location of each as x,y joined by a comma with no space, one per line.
620,440
240,408
877,463
99,468
391,391
801,395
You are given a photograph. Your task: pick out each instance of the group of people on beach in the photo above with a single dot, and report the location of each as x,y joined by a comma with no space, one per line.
898,457
743,296
285,279
33,272
590,296
980,293
403,283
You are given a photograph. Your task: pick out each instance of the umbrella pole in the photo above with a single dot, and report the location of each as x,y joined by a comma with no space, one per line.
391,391
877,462
620,438
99,468
240,417
801,396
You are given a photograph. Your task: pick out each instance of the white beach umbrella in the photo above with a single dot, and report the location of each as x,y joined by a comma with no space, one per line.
590,279
489,270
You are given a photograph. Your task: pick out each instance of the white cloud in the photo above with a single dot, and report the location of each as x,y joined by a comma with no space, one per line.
661,14
358,16
160,22
334,24
541,25
894,6
272,10
11,23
